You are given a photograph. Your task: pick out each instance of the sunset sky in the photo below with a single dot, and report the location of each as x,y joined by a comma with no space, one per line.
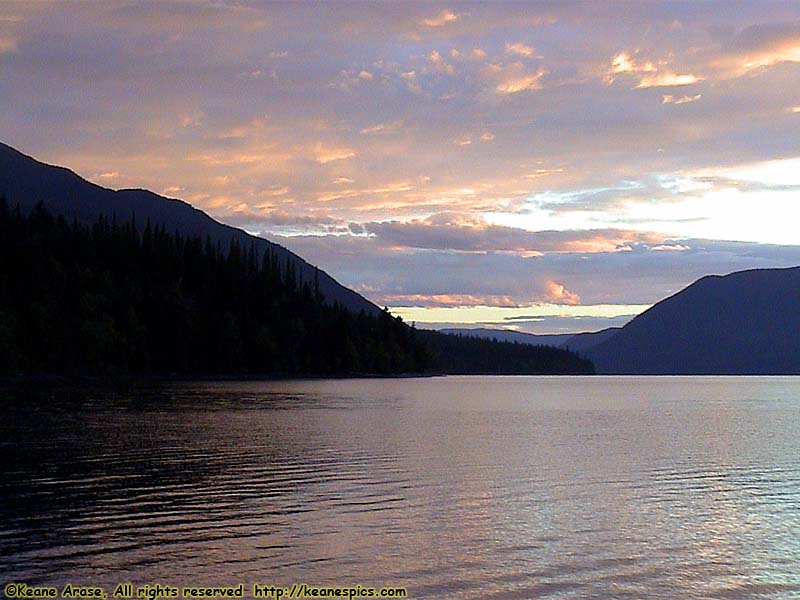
543,166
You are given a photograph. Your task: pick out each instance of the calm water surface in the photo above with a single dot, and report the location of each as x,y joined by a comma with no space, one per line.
456,487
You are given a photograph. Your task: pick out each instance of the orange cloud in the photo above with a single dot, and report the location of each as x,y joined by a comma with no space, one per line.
649,73
787,53
539,173
667,79
625,63
519,49
556,293
325,154
670,99
514,78
448,300
442,18
382,128
763,46
438,64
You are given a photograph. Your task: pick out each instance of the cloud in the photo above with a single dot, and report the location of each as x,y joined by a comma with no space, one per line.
625,63
325,154
539,173
519,48
564,179
398,276
275,219
760,46
670,99
667,79
558,294
173,15
276,191
448,300
412,83
438,64
465,233
381,128
513,78
671,248
442,18
649,73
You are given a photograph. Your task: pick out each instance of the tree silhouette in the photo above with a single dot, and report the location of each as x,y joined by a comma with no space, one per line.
111,299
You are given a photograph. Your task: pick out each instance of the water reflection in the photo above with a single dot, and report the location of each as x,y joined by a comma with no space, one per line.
455,487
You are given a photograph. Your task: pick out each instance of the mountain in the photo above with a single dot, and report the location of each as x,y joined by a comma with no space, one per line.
27,182
582,343
108,283
576,342
109,300
506,335
746,322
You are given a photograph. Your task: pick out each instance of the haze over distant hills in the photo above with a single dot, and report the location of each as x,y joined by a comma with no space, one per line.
744,323
26,181
577,342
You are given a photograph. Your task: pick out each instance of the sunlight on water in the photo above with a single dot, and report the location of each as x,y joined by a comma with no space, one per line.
457,487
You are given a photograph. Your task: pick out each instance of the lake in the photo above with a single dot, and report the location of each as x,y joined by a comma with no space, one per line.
453,487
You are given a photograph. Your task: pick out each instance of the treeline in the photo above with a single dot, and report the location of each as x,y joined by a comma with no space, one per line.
460,354
120,299
128,299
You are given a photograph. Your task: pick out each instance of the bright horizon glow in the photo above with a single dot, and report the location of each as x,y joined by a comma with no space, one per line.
469,315
715,211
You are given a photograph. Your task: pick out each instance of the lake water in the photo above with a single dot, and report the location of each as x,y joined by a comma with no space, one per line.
454,487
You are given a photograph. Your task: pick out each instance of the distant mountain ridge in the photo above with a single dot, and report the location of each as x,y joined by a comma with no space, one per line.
744,323
577,342
508,335
26,181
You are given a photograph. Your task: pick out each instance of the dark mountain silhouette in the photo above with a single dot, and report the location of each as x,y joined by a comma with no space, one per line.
26,182
107,299
100,282
582,343
747,322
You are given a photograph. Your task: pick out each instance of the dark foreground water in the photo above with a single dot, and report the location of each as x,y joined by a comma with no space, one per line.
457,487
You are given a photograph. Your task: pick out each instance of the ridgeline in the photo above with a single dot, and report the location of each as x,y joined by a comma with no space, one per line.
125,299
